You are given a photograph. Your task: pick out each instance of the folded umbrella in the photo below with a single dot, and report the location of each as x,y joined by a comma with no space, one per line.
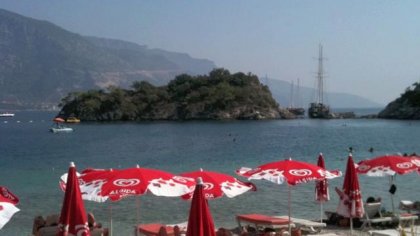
8,202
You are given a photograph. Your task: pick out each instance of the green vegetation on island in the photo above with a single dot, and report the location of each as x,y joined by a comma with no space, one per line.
219,95
407,106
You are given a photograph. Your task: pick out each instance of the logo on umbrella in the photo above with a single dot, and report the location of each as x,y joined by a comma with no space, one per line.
404,165
363,167
300,172
182,179
126,182
207,186
82,230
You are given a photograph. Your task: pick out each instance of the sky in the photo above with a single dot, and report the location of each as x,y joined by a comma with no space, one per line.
372,48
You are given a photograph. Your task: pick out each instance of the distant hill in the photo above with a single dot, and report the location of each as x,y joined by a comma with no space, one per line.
41,62
281,91
406,107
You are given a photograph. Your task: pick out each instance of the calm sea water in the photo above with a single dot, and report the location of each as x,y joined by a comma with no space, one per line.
32,160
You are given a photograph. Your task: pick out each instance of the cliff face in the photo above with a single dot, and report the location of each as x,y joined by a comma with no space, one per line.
407,106
217,96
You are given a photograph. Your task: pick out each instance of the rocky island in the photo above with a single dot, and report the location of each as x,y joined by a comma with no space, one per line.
217,96
406,107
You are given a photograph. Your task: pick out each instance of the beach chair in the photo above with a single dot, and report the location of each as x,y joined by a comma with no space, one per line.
157,229
306,225
373,215
406,219
258,223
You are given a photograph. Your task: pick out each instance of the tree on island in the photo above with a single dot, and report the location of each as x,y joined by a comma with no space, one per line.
219,95
407,106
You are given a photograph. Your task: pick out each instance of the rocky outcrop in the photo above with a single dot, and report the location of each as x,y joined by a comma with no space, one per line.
406,107
402,111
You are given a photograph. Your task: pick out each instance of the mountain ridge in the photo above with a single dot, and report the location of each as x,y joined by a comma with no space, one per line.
41,62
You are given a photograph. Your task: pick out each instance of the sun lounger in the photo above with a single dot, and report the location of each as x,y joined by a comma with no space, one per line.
385,232
373,215
156,229
306,225
260,222
326,234
410,206
406,219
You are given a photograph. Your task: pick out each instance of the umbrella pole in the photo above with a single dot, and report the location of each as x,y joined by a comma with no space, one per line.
321,211
138,211
351,225
290,211
110,218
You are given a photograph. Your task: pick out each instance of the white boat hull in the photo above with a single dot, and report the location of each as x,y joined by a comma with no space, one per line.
7,115
61,130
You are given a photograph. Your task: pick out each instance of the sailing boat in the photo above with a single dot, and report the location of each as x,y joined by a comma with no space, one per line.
298,111
318,109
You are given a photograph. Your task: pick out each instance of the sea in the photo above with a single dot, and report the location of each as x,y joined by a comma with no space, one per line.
32,159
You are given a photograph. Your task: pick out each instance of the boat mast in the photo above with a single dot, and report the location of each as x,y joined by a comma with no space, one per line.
320,77
298,99
291,103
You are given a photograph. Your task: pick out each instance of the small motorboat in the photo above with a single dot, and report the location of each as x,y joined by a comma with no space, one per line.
7,114
72,119
61,129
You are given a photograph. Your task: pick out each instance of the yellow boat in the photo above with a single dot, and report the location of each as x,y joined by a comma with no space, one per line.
72,120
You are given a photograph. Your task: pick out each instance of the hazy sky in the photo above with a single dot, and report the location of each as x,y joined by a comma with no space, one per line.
373,47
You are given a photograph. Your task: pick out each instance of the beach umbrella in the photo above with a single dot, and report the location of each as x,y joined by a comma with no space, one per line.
389,165
350,203
217,184
321,188
290,171
115,184
200,221
73,218
8,202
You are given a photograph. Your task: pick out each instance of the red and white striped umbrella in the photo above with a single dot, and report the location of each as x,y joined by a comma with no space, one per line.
351,202
291,171
389,165
8,202
321,187
200,220
73,217
115,184
217,184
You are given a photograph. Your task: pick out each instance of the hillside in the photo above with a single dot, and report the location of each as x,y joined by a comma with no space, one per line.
406,107
41,62
217,96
